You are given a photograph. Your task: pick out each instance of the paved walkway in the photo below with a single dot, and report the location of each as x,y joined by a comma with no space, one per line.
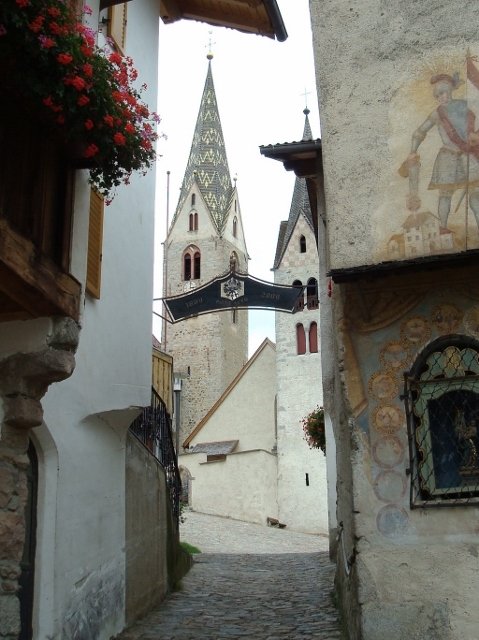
249,582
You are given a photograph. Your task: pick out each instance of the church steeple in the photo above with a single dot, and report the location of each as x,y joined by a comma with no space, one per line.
207,163
299,204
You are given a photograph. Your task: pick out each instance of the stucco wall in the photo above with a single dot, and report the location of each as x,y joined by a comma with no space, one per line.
302,486
147,530
247,412
243,486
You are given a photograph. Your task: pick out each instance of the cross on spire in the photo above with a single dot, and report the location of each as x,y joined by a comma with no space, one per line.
305,95
210,45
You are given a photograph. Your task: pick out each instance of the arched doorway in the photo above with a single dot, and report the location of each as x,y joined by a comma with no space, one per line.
27,564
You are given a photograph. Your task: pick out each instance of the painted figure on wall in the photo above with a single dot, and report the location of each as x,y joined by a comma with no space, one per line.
456,166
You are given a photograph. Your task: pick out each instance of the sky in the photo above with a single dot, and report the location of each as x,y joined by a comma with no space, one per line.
260,87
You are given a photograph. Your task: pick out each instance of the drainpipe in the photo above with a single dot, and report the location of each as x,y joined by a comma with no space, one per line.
177,390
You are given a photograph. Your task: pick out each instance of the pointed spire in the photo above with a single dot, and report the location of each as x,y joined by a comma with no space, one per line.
207,163
299,204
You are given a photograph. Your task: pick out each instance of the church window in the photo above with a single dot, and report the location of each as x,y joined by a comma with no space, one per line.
299,306
313,338
197,265
234,316
235,206
193,221
312,293
302,244
187,267
235,226
193,199
300,340
191,263
442,407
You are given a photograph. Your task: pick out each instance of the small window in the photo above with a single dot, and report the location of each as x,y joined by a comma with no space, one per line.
95,242
302,244
192,263
187,267
117,25
191,225
197,264
300,301
442,404
195,221
312,293
313,338
300,340
234,316
193,199
235,226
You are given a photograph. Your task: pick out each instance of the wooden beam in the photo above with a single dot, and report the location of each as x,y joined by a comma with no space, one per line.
33,282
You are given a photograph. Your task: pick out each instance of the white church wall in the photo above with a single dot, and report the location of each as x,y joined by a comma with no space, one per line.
243,486
302,483
247,412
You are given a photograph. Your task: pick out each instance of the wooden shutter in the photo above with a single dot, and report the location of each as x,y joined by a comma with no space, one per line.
117,25
95,242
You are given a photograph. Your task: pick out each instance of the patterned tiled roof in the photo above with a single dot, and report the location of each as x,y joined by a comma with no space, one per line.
207,163
299,205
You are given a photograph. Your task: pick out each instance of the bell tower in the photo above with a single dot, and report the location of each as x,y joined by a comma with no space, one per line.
205,236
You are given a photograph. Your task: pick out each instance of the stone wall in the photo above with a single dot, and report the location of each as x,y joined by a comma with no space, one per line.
24,379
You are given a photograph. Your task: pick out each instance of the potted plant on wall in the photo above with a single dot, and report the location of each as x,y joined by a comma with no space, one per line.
86,95
314,429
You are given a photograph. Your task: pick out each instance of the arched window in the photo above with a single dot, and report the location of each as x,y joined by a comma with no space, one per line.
187,267
193,199
300,300
302,244
192,263
313,338
312,293
197,263
193,221
300,340
233,261
235,226
442,405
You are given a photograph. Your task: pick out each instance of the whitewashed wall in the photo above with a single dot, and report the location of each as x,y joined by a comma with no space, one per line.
242,487
82,444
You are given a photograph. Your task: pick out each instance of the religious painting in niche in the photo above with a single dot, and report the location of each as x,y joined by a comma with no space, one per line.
438,168
445,418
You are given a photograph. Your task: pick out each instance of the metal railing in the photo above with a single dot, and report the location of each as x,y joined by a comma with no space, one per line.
153,429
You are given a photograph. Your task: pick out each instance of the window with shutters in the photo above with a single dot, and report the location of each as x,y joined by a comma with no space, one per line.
36,205
95,243
313,338
117,25
300,340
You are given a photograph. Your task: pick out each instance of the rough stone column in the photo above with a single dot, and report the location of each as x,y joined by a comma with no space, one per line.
24,380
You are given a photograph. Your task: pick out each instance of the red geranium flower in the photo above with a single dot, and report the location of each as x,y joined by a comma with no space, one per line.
83,100
119,139
64,58
91,151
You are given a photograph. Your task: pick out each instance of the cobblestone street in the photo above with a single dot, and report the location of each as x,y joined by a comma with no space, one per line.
249,582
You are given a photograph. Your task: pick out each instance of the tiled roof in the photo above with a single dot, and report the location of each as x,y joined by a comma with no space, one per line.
207,164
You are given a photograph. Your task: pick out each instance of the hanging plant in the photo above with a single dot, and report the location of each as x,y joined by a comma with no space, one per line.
314,429
87,94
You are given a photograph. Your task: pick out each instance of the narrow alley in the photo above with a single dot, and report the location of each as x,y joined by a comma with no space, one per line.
248,581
